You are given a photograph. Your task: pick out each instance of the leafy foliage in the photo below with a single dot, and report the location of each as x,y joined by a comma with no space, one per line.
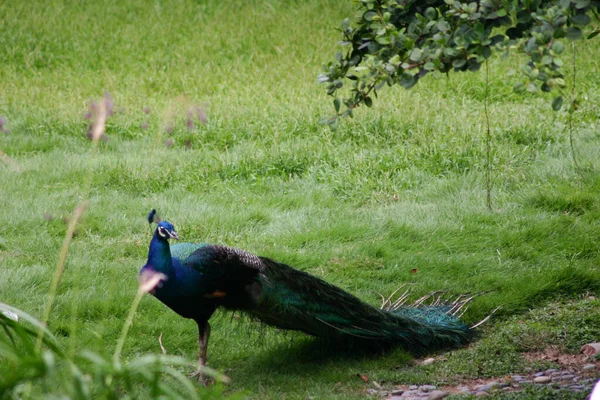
400,41
87,374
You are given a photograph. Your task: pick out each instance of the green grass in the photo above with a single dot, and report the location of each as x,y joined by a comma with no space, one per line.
400,187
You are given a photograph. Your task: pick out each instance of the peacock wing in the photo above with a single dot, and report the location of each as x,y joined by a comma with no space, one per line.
228,274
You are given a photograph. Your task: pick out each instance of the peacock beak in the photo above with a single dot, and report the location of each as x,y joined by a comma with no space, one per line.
174,235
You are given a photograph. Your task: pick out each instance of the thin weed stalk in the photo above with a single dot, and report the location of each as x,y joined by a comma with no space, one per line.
488,142
572,109
97,132
148,283
128,322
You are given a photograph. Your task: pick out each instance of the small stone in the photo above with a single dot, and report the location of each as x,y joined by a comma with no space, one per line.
409,393
506,389
542,379
428,388
551,370
567,377
482,394
589,367
515,385
413,387
556,373
565,373
463,389
525,382
397,392
428,361
576,387
437,395
517,378
538,374
423,394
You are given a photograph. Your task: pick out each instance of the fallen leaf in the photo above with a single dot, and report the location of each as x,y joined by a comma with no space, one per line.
590,349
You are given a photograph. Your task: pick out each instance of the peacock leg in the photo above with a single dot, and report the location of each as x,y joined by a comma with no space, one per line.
203,335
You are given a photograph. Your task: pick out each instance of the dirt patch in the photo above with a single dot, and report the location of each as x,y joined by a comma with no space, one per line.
573,362
574,372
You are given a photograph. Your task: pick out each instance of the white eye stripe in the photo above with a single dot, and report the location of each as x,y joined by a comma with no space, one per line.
162,232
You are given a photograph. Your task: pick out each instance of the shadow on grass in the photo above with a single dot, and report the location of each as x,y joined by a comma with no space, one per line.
308,356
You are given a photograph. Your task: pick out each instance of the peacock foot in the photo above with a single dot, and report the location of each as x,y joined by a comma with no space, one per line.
202,378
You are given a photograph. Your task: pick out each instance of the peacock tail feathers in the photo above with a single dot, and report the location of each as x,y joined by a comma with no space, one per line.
293,299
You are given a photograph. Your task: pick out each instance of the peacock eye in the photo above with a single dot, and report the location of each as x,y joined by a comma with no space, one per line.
162,232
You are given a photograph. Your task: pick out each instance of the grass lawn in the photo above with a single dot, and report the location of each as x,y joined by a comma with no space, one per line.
395,195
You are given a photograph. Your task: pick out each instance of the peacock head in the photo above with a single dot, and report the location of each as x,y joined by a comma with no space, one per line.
166,230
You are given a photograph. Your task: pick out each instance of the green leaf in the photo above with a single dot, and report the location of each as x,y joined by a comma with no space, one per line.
580,19
593,34
336,105
519,87
557,103
487,52
558,47
532,88
443,26
407,81
573,33
383,40
415,55
368,16
332,122
368,101
459,63
497,39
430,13
474,65
501,12
323,120
582,4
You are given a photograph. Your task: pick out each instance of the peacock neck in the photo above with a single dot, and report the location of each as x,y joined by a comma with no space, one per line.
159,255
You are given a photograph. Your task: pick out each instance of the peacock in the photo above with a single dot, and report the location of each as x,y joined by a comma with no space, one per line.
199,278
